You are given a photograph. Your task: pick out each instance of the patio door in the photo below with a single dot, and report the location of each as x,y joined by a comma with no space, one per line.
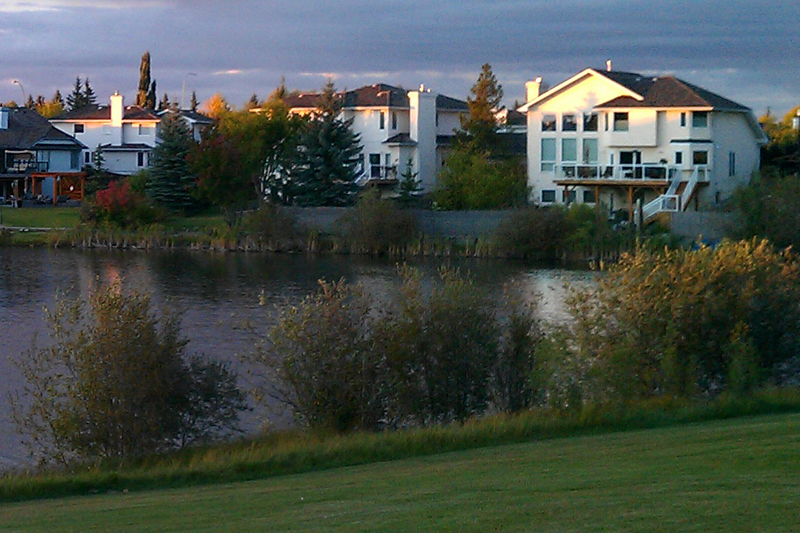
629,162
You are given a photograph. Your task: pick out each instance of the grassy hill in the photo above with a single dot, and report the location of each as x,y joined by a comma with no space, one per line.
731,475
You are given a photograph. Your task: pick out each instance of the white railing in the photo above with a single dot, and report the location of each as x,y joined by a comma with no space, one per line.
643,171
694,179
665,203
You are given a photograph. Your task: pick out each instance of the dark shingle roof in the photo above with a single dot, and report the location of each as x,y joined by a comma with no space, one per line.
401,138
377,95
103,112
28,130
668,91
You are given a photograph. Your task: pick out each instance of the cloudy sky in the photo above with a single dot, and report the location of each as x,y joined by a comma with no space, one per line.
746,50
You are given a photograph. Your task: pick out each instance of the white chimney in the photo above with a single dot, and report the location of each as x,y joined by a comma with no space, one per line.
422,129
608,65
532,89
117,110
4,111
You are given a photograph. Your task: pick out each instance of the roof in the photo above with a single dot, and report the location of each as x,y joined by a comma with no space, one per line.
669,91
28,130
191,116
126,147
401,138
376,95
103,112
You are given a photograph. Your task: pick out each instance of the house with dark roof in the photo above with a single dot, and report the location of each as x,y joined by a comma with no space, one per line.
36,159
395,126
615,139
126,135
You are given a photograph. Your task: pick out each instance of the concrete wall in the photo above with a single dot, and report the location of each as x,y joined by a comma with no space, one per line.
471,224
711,225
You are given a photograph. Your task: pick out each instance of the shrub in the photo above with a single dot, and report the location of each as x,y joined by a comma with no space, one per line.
681,322
115,384
473,180
377,226
533,233
119,205
274,226
769,208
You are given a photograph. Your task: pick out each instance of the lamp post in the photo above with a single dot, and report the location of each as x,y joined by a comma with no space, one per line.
22,89
183,90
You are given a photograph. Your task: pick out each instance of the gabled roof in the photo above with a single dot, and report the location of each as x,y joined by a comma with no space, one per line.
192,116
103,112
28,130
376,95
627,82
669,91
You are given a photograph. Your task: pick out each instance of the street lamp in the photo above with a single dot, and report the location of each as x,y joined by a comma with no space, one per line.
183,90
22,89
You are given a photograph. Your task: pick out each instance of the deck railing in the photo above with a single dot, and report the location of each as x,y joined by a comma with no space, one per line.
643,171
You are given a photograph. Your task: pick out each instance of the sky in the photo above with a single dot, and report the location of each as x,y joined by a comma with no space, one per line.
748,51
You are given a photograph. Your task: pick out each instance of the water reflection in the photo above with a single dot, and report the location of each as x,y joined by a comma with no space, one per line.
218,295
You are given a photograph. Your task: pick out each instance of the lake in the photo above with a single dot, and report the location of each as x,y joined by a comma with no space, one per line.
218,296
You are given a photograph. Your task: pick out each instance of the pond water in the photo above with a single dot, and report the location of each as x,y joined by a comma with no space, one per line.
218,297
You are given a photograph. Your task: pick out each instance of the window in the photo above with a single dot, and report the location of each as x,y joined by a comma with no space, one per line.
87,157
141,158
548,196
142,129
590,122
700,157
569,123
569,196
590,151
360,163
78,128
437,119
383,120
620,121
387,158
678,158
605,121
731,163
683,119
548,154
700,119
588,197
548,123
375,165
569,150
74,159
394,120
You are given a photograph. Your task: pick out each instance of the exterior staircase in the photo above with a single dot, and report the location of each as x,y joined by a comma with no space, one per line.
671,201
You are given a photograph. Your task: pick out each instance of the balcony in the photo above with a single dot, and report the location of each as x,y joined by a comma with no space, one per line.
24,166
582,173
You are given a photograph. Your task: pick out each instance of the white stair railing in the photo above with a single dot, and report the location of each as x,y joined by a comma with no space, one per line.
665,203
688,191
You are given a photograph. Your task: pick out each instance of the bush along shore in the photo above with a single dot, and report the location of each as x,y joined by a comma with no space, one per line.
665,337
372,227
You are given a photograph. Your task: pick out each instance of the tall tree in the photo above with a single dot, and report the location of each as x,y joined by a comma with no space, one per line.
252,103
480,129
89,97
216,107
57,98
326,165
76,99
193,104
144,80
30,103
171,182
164,103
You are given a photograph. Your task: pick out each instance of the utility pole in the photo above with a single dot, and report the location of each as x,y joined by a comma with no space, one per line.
183,90
22,89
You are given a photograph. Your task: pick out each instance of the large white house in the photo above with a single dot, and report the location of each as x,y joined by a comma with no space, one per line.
618,137
126,135
395,126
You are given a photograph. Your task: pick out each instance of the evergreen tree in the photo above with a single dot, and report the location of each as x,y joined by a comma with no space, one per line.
164,103
40,100
252,103
193,102
150,101
480,129
278,94
144,80
30,103
57,98
171,182
326,163
408,186
89,97
76,99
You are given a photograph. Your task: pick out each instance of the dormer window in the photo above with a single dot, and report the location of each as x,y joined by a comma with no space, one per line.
700,119
78,128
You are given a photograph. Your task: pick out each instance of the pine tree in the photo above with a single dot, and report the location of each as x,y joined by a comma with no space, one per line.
480,129
252,103
164,103
408,186
144,80
171,182
75,100
57,98
30,103
193,102
89,97
326,166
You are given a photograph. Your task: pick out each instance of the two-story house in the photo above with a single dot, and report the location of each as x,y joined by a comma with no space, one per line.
612,138
395,126
36,159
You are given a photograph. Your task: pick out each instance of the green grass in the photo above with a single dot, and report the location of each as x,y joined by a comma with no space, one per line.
732,475
197,223
41,217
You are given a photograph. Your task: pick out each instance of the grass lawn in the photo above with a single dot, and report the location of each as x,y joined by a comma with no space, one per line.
733,475
41,217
